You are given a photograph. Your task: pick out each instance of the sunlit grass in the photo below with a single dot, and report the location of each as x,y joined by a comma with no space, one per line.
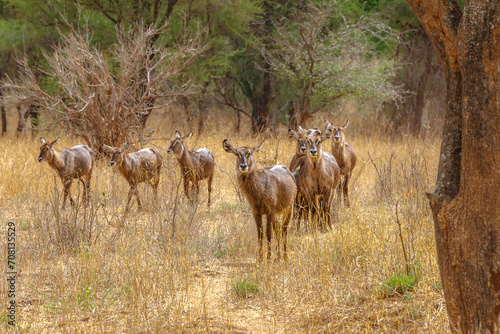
182,269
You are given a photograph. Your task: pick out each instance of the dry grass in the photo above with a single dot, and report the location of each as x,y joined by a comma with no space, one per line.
175,268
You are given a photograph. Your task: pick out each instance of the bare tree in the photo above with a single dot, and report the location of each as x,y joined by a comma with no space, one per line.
465,202
323,57
104,97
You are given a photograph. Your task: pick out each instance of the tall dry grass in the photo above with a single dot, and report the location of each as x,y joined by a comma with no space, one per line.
178,268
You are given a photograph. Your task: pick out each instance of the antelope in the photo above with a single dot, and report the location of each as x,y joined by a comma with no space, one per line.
319,174
345,155
297,161
195,165
72,163
137,167
270,191
300,153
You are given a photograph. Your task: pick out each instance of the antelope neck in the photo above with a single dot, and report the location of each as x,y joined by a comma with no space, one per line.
124,164
56,161
339,153
185,158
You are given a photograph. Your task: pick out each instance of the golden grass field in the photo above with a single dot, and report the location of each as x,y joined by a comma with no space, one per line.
175,268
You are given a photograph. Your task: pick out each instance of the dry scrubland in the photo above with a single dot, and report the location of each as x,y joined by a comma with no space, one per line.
175,268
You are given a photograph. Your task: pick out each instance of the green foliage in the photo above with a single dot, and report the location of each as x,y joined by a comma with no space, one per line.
324,57
245,288
398,285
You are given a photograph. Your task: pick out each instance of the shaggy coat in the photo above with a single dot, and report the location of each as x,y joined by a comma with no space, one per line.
270,191
71,163
195,165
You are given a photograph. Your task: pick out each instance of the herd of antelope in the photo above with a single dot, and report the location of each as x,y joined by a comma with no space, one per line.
308,186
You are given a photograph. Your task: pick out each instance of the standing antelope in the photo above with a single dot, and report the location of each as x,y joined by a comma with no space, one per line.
297,161
270,191
136,167
195,165
345,155
300,153
71,163
319,174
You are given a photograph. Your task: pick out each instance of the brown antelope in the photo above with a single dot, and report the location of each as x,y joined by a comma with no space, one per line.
71,163
270,191
300,153
297,161
137,167
319,174
195,165
345,155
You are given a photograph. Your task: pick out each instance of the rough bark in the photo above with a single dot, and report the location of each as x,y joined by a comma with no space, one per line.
465,204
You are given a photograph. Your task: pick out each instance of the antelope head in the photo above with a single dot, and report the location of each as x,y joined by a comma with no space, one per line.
176,144
46,149
244,161
314,139
301,143
338,132
116,153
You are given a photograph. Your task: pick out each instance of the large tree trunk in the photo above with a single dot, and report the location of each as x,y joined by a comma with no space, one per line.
465,203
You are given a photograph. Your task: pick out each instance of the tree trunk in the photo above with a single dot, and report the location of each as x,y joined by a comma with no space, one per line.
260,112
419,103
203,108
465,204
4,114
187,111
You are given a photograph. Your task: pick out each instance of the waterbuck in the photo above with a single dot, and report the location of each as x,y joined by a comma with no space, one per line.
345,155
137,167
319,174
71,163
297,161
300,153
270,191
195,165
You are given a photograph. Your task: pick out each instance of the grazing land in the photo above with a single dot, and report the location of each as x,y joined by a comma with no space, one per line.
175,267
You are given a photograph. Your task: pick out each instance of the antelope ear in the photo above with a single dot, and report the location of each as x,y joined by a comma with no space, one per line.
226,145
345,125
328,124
177,134
326,134
124,147
257,149
106,148
188,136
42,140
54,142
302,131
292,134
